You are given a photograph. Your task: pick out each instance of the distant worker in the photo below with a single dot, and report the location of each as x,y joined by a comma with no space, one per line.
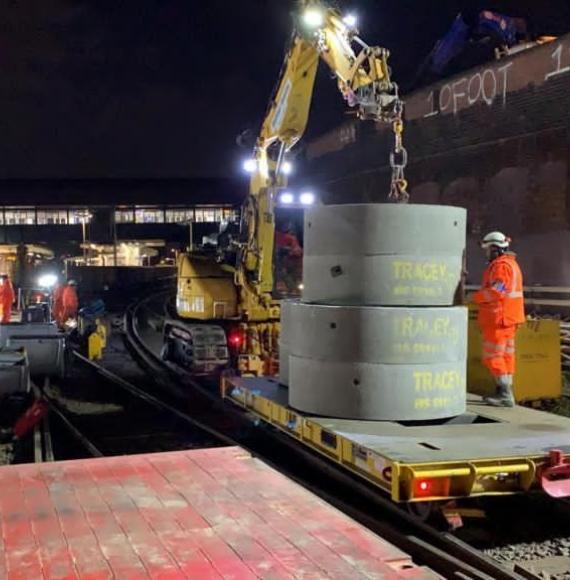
501,311
289,253
7,298
70,302
57,303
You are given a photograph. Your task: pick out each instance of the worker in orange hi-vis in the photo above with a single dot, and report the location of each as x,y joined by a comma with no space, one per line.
57,303
288,254
70,302
7,298
501,311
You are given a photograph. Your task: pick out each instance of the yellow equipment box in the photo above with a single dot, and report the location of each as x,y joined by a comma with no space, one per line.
538,364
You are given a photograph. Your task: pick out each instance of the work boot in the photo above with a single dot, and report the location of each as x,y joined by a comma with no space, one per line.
504,393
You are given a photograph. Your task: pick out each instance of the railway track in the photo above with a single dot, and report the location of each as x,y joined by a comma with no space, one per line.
442,551
124,419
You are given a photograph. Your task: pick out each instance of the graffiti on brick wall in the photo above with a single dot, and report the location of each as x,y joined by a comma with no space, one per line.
491,85
560,60
485,86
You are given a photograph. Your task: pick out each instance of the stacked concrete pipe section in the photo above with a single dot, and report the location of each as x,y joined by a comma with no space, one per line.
376,335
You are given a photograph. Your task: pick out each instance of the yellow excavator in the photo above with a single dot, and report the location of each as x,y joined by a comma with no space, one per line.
228,295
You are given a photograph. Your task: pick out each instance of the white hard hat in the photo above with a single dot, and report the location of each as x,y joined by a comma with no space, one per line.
71,283
495,239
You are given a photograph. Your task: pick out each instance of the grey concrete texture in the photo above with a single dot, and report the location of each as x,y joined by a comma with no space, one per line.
389,280
285,340
380,392
383,254
375,334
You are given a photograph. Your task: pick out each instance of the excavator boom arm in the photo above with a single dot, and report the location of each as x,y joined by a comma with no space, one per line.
363,79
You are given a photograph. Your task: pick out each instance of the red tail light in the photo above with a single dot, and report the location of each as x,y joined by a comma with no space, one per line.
433,487
236,339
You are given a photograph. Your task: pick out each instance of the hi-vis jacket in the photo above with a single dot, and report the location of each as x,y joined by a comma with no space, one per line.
7,294
500,300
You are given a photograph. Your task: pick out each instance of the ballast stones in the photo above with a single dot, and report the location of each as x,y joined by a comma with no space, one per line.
376,335
383,254
376,363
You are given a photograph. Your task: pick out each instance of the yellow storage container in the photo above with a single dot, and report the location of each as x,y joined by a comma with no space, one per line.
538,367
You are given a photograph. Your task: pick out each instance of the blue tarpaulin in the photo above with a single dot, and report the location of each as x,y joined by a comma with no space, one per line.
456,39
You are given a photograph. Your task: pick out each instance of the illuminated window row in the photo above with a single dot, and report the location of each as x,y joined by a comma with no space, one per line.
173,216
29,216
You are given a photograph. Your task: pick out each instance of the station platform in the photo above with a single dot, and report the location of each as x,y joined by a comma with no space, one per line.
486,451
212,513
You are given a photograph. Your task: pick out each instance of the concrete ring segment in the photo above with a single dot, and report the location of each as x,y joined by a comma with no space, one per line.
383,254
285,339
374,362
380,392
376,334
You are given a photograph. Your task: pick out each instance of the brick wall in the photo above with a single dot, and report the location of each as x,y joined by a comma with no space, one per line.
495,140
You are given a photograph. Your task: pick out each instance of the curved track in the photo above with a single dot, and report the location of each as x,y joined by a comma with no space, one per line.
121,418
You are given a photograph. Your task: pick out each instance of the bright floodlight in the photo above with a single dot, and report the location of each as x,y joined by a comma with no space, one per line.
350,20
47,280
286,168
286,198
250,165
313,18
307,198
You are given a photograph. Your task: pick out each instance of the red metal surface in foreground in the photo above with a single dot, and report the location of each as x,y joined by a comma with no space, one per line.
555,477
214,513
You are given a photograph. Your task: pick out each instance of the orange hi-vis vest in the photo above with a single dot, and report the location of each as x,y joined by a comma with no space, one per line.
501,300
70,301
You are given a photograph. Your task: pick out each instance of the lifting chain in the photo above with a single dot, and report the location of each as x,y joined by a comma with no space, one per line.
399,156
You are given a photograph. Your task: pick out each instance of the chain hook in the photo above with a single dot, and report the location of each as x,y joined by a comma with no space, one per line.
399,155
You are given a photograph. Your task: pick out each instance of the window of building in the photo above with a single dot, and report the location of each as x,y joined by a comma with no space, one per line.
229,213
181,215
52,216
124,216
20,216
77,216
209,215
149,215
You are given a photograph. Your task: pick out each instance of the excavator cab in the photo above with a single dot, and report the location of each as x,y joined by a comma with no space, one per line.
206,289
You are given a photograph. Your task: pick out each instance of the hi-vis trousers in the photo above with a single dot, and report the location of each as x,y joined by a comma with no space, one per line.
499,350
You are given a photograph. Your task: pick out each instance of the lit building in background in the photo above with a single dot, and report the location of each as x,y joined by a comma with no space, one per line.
133,253
32,216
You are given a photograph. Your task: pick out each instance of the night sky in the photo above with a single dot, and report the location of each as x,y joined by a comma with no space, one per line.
162,88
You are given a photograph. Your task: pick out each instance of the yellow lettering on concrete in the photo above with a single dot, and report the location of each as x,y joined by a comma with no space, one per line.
412,327
407,325
418,380
401,290
425,381
423,403
434,402
397,265
441,327
420,271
